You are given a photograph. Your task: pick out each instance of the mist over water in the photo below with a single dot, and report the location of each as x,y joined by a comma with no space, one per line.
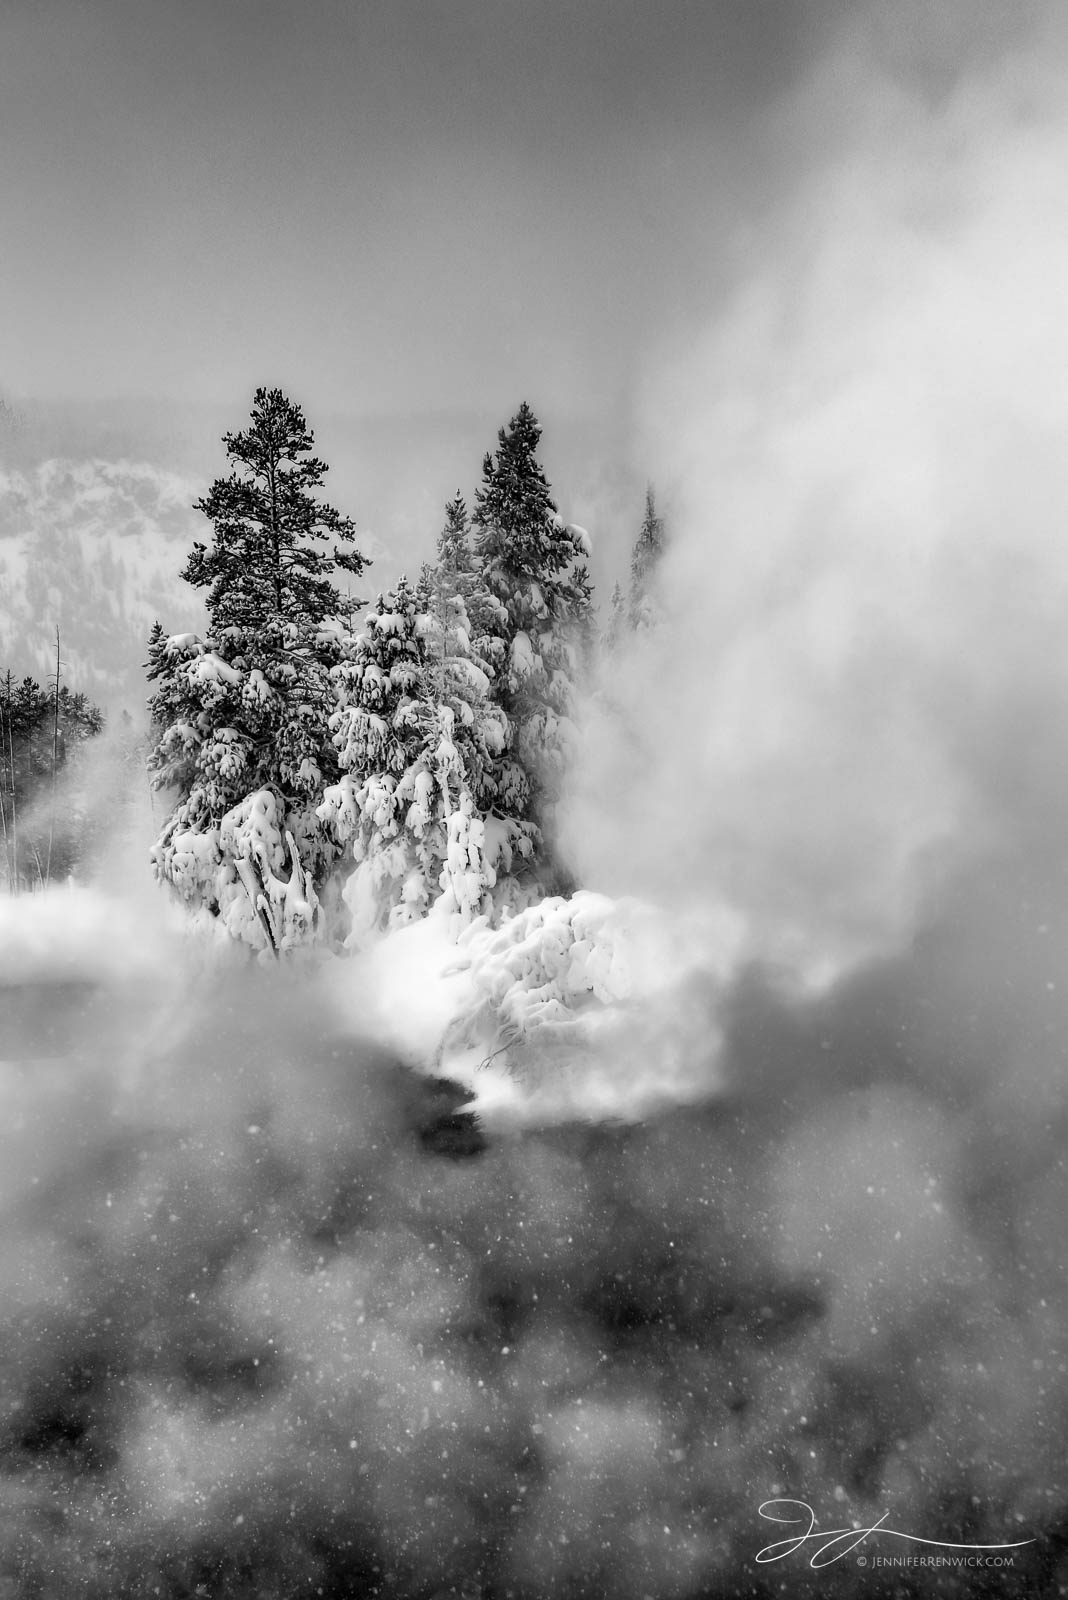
261,1338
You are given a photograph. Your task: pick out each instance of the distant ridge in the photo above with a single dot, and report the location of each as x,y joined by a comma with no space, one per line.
93,547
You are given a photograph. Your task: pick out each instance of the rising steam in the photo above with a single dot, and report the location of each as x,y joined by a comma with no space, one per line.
862,669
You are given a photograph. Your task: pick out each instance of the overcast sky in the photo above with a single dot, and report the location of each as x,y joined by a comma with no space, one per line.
408,206
389,204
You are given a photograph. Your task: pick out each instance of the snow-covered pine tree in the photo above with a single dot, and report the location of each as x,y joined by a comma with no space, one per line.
389,808
454,545
410,742
480,853
456,574
457,603
532,565
242,715
644,562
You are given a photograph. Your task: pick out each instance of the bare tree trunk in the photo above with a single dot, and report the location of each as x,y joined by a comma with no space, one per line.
253,885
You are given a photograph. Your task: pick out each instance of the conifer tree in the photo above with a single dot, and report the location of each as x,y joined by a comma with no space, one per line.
266,560
411,743
617,619
454,548
450,576
532,565
644,562
379,729
463,617
43,729
452,588
243,714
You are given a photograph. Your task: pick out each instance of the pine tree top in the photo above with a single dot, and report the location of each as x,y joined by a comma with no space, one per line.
515,472
454,551
519,526
649,544
456,512
266,560
645,557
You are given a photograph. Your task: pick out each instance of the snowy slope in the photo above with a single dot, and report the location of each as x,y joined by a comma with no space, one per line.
94,547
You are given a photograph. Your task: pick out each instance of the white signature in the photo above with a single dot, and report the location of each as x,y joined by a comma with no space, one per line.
838,1542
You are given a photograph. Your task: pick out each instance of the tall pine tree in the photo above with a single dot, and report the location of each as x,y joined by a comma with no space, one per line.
538,608
243,714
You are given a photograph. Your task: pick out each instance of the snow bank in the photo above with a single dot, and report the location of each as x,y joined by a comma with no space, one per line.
584,1007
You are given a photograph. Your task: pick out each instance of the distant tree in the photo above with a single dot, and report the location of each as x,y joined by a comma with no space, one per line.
242,715
42,732
644,564
532,565
617,619
12,422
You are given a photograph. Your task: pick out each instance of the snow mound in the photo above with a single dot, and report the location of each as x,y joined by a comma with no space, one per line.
585,1007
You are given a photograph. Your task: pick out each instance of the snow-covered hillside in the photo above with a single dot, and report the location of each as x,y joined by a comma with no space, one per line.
93,547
